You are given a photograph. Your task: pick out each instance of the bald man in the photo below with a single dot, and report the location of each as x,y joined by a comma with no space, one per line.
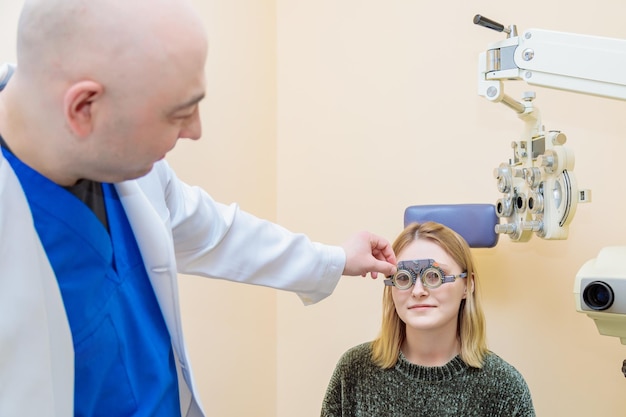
95,225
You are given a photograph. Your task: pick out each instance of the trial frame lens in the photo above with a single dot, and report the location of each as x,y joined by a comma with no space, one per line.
429,272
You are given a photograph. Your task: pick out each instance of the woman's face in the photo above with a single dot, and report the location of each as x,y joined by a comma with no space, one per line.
423,308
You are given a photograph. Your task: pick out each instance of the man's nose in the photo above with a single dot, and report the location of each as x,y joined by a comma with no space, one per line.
193,129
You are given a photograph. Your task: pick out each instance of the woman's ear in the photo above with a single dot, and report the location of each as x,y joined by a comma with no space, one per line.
470,283
78,106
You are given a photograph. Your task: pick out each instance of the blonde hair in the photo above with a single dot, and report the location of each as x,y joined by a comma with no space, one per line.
471,329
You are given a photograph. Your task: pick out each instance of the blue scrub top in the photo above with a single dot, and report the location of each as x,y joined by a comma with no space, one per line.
124,363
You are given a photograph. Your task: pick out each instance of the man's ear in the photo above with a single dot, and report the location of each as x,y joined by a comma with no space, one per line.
78,106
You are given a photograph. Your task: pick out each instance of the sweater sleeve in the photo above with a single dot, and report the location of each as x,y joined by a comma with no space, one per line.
523,403
510,388
354,386
331,406
353,371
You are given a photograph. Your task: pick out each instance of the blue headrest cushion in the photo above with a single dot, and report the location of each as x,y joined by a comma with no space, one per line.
474,222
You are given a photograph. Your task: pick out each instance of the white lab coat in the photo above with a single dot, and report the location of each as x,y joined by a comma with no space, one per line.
179,229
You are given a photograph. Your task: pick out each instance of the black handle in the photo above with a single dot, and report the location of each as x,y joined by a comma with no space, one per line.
488,23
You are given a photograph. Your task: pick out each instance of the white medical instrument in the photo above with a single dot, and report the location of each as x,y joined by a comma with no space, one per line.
539,193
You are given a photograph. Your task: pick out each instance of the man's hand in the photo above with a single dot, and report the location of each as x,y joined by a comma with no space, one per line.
366,252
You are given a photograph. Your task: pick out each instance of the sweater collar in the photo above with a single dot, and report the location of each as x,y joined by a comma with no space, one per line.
431,373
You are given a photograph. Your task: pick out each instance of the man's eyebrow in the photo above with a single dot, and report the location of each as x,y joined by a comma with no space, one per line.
191,102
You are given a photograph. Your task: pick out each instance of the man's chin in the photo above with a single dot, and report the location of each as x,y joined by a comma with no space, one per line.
137,174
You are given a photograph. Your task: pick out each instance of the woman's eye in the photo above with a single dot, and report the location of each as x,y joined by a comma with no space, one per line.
432,277
403,279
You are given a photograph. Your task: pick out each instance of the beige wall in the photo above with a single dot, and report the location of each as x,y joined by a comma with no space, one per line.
378,110
334,116
231,328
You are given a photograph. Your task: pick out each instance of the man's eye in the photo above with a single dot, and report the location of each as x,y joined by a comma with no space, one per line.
187,114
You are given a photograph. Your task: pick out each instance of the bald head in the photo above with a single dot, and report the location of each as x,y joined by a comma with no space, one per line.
104,39
103,88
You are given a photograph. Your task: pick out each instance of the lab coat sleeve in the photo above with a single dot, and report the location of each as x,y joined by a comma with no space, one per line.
224,242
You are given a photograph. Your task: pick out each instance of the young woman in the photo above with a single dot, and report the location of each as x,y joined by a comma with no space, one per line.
431,357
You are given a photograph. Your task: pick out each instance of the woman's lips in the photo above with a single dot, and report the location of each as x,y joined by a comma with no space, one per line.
421,306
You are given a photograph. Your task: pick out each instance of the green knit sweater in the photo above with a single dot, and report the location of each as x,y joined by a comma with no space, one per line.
359,388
